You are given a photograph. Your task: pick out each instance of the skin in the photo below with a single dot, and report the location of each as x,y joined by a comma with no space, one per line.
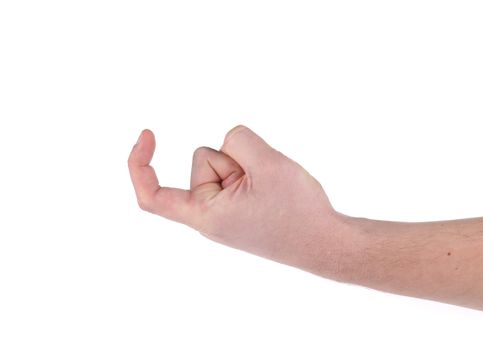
251,197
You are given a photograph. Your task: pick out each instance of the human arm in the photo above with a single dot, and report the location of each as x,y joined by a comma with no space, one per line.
249,196
441,260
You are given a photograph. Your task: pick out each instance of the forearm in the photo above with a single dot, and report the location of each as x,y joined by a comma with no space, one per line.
251,197
441,261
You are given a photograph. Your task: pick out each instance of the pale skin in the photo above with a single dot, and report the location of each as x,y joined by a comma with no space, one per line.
251,197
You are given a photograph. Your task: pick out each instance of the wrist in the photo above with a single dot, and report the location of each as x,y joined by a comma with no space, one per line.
352,244
338,252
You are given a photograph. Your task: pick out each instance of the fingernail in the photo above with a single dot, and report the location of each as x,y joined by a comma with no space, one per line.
139,138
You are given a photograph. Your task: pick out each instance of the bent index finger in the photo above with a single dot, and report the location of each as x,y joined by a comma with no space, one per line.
247,148
171,203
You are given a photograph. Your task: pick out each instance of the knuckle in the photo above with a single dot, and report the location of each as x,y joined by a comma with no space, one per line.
130,160
200,152
237,129
144,204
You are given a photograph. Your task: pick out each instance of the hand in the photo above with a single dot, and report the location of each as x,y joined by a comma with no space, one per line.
251,197
248,196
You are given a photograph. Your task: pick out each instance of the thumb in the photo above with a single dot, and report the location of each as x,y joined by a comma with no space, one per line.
246,148
172,203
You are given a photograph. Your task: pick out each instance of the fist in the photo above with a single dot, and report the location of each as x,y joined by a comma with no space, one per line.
249,196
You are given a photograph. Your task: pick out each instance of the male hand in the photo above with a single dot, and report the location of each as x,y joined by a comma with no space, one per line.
248,196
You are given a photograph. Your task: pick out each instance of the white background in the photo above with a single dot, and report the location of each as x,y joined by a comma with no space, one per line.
380,100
